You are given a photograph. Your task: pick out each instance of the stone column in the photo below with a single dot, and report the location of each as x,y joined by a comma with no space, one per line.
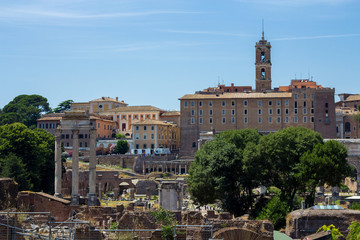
179,169
92,198
58,163
75,198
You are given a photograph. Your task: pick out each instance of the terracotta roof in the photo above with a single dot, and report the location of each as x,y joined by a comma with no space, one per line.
238,95
49,119
80,103
151,122
355,97
171,113
135,109
97,118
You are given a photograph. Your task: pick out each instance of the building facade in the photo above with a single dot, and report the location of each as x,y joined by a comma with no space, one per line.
303,104
155,137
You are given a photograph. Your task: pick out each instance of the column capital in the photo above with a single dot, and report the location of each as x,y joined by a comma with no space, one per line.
58,132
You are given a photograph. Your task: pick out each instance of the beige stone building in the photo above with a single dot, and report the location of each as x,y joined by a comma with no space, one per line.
155,137
98,105
303,104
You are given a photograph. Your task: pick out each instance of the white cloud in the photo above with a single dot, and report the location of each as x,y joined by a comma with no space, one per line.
316,37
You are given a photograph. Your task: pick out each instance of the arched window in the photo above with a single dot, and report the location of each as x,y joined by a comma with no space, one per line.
347,127
262,59
263,74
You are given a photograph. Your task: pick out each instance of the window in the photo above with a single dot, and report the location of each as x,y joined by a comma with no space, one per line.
312,119
144,146
304,110
200,103
312,111
278,111
152,146
295,111
200,112
211,120
186,104
295,104
245,103
86,144
200,120
259,111
278,120
259,103
312,96
304,95
137,146
192,112
153,116
232,103
210,103
223,112
137,128
326,105
270,119
245,111
192,120
137,136
210,112
270,103
270,111
223,120
286,102
152,136
304,119
80,144
232,111
192,103
232,120
152,128
304,104
144,128
141,116
286,119
223,103
262,57
278,102
295,96
194,144
347,127
246,120
295,119
259,120
263,74
286,111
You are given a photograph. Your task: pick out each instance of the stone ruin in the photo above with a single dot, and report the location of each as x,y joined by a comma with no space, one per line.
303,222
8,193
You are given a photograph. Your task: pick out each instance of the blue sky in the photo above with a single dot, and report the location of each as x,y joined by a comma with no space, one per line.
151,52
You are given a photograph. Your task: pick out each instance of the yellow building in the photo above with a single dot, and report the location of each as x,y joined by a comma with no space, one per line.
99,105
155,137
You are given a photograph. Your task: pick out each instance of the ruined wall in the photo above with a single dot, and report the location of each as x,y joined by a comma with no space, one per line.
8,193
124,161
303,222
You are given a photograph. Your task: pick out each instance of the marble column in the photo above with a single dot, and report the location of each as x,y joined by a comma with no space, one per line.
58,163
75,198
92,198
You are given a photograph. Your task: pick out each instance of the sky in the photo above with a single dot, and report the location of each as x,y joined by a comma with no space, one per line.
152,52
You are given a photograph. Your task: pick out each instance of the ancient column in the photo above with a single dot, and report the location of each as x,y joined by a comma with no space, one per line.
75,169
58,163
92,199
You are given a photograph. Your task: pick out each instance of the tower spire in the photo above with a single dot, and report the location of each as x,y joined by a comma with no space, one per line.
262,29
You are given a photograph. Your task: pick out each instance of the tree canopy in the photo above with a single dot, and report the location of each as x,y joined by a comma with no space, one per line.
295,160
28,156
63,106
24,109
121,147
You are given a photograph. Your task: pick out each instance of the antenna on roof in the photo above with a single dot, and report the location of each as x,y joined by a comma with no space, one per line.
262,29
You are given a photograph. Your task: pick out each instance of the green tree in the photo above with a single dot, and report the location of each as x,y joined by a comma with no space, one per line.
167,221
12,166
335,233
227,169
36,150
63,106
25,109
122,147
354,231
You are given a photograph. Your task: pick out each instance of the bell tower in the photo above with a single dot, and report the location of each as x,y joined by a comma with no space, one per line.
262,65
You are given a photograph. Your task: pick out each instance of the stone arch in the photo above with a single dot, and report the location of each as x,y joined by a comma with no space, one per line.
235,233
